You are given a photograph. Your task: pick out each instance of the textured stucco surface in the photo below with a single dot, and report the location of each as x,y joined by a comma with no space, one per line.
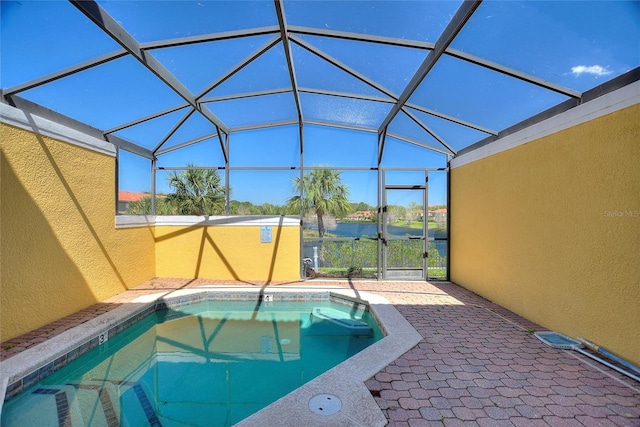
551,230
60,249
228,252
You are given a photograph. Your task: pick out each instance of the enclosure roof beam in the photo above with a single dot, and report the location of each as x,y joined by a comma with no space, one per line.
382,138
104,21
346,95
450,118
173,130
66,72
417,143
339,125
205,38
428,130
129,146
188,168
513,73
307,121
342,66
187,143
265,125
344,35
463,14
246,95
282,22
31,107
246,61
601,90
146,119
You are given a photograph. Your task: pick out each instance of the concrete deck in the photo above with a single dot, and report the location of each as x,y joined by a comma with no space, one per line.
478,364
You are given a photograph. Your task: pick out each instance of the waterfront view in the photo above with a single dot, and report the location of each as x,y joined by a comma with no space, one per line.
370,229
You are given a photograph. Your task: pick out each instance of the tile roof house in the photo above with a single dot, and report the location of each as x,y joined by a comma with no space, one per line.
126,197
439,215
361,216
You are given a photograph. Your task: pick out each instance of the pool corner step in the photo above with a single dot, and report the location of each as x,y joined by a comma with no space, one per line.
329,321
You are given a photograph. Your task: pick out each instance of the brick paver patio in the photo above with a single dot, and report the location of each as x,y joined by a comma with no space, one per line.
478,365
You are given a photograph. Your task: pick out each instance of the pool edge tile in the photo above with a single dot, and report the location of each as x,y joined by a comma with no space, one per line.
347,379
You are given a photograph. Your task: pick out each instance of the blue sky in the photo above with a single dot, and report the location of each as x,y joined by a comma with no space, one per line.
276,186
574,44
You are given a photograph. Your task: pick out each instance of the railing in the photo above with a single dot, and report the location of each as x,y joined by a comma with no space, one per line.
437,260
343,257
358,257
405,253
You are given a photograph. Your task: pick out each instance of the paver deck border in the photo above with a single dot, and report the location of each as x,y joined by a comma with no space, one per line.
520,381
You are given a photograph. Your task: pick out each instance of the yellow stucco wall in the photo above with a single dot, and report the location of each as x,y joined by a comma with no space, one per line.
551,230
228,252
60,250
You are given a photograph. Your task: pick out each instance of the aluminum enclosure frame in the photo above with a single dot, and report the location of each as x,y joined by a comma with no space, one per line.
286,36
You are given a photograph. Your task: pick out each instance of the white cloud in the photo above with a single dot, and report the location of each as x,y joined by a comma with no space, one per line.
596,70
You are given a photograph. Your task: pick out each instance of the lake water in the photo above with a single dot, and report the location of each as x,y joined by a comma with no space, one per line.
359,229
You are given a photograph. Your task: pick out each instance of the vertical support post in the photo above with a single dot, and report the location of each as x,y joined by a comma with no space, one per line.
382,136
353,254
381,270
315,258
425,225
227,186
301,163
117,177
448,276
153,184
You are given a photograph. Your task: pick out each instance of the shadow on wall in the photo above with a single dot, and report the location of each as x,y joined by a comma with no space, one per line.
80,210
207,243
39,282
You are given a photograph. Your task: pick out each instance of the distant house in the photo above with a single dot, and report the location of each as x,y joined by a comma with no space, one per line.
126,197
438,215
361,216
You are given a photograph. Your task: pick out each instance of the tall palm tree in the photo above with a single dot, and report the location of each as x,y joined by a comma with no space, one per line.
197,192
322,193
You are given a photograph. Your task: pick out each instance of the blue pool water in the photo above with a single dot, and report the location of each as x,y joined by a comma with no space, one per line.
211,363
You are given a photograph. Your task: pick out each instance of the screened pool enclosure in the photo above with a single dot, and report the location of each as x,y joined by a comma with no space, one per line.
345,113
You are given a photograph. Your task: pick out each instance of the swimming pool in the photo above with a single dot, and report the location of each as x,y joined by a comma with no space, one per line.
137,376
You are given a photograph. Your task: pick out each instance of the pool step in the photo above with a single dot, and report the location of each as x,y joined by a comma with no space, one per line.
146,405
329,321
93,403
54,405
102,398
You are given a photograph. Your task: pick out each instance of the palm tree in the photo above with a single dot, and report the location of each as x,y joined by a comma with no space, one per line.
143,206
197,192
140,207
322,193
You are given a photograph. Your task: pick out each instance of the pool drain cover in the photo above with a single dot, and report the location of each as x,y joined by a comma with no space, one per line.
325,404
557,340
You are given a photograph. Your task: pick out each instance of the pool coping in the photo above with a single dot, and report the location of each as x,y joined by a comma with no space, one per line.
345,380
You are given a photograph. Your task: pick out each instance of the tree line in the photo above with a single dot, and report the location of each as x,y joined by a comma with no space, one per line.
200,192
